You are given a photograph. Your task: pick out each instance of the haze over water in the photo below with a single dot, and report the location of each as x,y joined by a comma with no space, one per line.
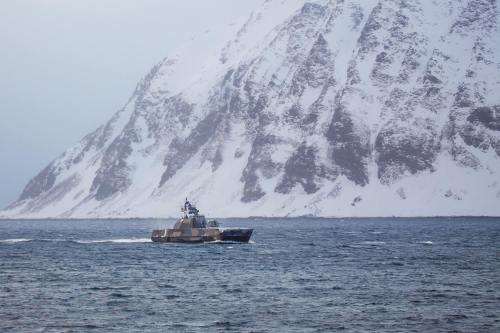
298,275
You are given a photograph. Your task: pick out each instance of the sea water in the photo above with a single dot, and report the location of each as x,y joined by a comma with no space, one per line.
296,275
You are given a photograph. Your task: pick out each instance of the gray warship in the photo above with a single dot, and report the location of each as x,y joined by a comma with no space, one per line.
194,228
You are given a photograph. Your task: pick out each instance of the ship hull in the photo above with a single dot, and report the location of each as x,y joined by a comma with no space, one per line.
201,235
236,235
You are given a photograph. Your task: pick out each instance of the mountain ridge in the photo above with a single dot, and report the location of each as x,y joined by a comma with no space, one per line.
346,108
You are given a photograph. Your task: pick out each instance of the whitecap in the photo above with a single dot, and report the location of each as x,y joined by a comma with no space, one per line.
373,243
426,242
227,242
118,240
15,240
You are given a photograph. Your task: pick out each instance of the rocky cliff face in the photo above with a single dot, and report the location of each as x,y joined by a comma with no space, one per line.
328,108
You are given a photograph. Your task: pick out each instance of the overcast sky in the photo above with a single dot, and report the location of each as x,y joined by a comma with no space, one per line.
67,65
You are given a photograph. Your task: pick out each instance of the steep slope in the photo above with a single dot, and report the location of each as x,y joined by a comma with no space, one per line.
327,108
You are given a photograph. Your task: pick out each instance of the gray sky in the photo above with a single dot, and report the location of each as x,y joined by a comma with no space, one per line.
67,65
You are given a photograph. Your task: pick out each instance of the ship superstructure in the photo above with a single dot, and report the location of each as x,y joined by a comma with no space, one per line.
193,227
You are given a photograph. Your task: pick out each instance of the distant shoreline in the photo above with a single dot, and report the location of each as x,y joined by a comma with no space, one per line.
254,218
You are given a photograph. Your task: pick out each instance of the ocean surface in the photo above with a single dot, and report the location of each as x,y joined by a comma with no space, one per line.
297,275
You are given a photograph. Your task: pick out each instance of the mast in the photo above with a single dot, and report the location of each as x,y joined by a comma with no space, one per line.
185,208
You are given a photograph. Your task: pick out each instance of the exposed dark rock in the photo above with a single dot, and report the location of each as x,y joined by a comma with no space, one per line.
317,70
367,40
41,183
294,114
113,175
257,106
94,140
401,192
489,116
475,132
238,153
335,192
357,16
478,14
311,118
350,140
304,23
299,169
428,93
404,148
382,63
482,54
353,76
356,200
252,190
429,78
56,193
181,151
463,97
259,159
396,96
144,85
410,64
312,9
465,158
450,194
470,74
173,113
474,136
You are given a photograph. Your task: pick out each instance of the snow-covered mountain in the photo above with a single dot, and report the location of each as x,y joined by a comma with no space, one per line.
326,108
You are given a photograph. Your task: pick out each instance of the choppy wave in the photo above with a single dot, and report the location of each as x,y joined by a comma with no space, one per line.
141,280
